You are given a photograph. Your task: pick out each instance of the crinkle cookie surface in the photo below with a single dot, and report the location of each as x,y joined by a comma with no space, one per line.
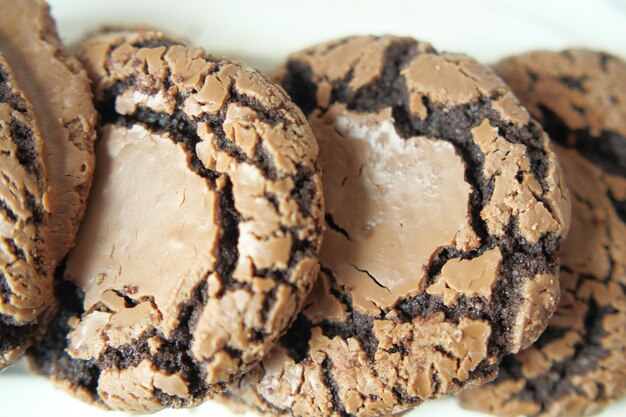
199,243
60,91
25,274
50,117
444,212
579,364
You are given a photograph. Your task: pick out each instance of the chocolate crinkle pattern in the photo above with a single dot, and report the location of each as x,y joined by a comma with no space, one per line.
444,212
45,187
200,241
579,364
64,110
25,274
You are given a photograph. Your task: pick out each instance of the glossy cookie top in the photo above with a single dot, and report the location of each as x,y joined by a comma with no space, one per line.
444,210
578,365
26,276
199,243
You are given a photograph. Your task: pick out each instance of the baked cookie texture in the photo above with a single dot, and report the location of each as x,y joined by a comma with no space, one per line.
63,107
444,211
25,275
579,364
61,114
200,241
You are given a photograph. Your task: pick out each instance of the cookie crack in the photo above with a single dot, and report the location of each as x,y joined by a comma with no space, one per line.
272,117
533,76
228,253
20,134
383,92
573,83
10,214
8,94
404,398
22,137
333,388
149,43
296,340
128,355
372,277
357,325
330,221
305,189
606,150
14,249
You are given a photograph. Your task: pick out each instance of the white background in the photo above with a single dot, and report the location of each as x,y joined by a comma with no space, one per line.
263,33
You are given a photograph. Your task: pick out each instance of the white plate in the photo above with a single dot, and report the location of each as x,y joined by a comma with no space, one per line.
263,33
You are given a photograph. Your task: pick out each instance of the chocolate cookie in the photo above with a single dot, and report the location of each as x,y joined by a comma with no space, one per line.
579,364
60,170
64,110
25,276
444,211
200,241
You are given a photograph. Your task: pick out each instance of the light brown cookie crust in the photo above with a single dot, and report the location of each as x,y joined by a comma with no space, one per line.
419,294
579,364
250,160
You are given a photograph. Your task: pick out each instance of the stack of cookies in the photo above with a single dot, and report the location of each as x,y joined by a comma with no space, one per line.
381,225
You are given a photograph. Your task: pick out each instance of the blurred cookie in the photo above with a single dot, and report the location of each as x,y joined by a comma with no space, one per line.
579,364
444,211
59,90
26,276
200,239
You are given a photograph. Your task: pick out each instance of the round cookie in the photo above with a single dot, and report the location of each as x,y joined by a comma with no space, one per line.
200,240
63,108
579,364
25,273
444,211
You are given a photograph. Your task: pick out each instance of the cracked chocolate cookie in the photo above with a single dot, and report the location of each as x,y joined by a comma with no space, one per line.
25,275
60,94
579,364
200,240
64,110
444,212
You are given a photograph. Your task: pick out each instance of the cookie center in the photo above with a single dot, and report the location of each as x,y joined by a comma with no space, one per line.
149,234
391,204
